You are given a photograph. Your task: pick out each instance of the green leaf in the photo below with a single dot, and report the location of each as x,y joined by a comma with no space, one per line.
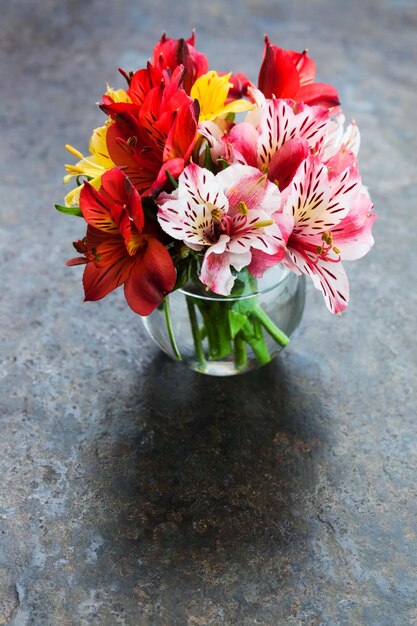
208,161
171,179
150,208
183,267
236,322
223,163
69,210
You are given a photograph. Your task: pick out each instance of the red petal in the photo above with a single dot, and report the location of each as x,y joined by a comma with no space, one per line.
141,163
278,75
286,161
99,281
181,137
152,278
95,209
79,260
306,67
140,85
108,249
174,52
318,93
175,167
240,83
124,201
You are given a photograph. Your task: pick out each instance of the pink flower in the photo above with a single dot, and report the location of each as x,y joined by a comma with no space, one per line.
278,137
228,216
332,220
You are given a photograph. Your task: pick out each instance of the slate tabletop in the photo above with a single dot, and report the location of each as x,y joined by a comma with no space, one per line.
135,492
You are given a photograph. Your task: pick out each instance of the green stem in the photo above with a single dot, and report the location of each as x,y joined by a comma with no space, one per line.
216,321
241,353
253,334
170,330
275,332
198,345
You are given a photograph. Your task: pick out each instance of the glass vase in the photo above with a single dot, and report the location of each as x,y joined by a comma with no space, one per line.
227,335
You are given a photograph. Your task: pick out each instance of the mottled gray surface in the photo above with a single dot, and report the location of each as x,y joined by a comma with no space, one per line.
134,492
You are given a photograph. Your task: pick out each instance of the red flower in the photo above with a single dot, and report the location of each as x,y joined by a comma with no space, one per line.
288,74
120,248
154,134
170,53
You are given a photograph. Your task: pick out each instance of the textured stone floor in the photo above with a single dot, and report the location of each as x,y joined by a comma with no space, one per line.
134,492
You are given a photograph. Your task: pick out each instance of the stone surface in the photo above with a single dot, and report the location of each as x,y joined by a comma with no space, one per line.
134,492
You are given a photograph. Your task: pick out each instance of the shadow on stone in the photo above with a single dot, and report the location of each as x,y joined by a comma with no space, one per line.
199,479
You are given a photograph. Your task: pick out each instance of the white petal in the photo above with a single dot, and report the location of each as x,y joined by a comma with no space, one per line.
330,278
216,273
307,198
279,123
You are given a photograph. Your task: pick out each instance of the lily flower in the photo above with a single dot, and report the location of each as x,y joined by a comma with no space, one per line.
278,136
120,248
227,216
211,91
332,220
288,74
170,53
157,136
98,161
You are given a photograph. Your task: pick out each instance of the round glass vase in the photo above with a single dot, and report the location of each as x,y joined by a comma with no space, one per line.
227,335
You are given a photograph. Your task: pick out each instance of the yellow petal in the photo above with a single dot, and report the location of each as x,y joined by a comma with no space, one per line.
117,95
97,162
211,91
73,197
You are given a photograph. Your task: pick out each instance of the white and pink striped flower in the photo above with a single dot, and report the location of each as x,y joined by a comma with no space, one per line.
278,136
229,215
332,220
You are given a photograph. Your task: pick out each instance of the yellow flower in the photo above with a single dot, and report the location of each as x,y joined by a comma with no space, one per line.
118,95
92,166
98,161
211,91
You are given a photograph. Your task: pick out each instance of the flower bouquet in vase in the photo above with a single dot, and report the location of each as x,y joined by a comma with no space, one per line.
210,198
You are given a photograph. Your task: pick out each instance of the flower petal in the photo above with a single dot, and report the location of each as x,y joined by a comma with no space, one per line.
242,183
353,236
307,198
329,277
286,161
243,139
283,120
216,271
95,210
152,277
318,94
99,281
187,214
278,76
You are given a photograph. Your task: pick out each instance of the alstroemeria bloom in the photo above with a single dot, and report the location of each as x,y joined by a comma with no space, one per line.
119,248
289,74
98,161
227,215
211,91
278,136
332,221
153,135
170,53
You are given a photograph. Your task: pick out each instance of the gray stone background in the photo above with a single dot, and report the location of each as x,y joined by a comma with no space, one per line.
135,492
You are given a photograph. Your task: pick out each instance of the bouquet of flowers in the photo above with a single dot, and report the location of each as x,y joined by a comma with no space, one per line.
203,178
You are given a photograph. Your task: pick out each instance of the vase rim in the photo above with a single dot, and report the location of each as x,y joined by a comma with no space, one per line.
271,278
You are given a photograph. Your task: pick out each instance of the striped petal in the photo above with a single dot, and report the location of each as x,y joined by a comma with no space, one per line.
284,120
329,277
